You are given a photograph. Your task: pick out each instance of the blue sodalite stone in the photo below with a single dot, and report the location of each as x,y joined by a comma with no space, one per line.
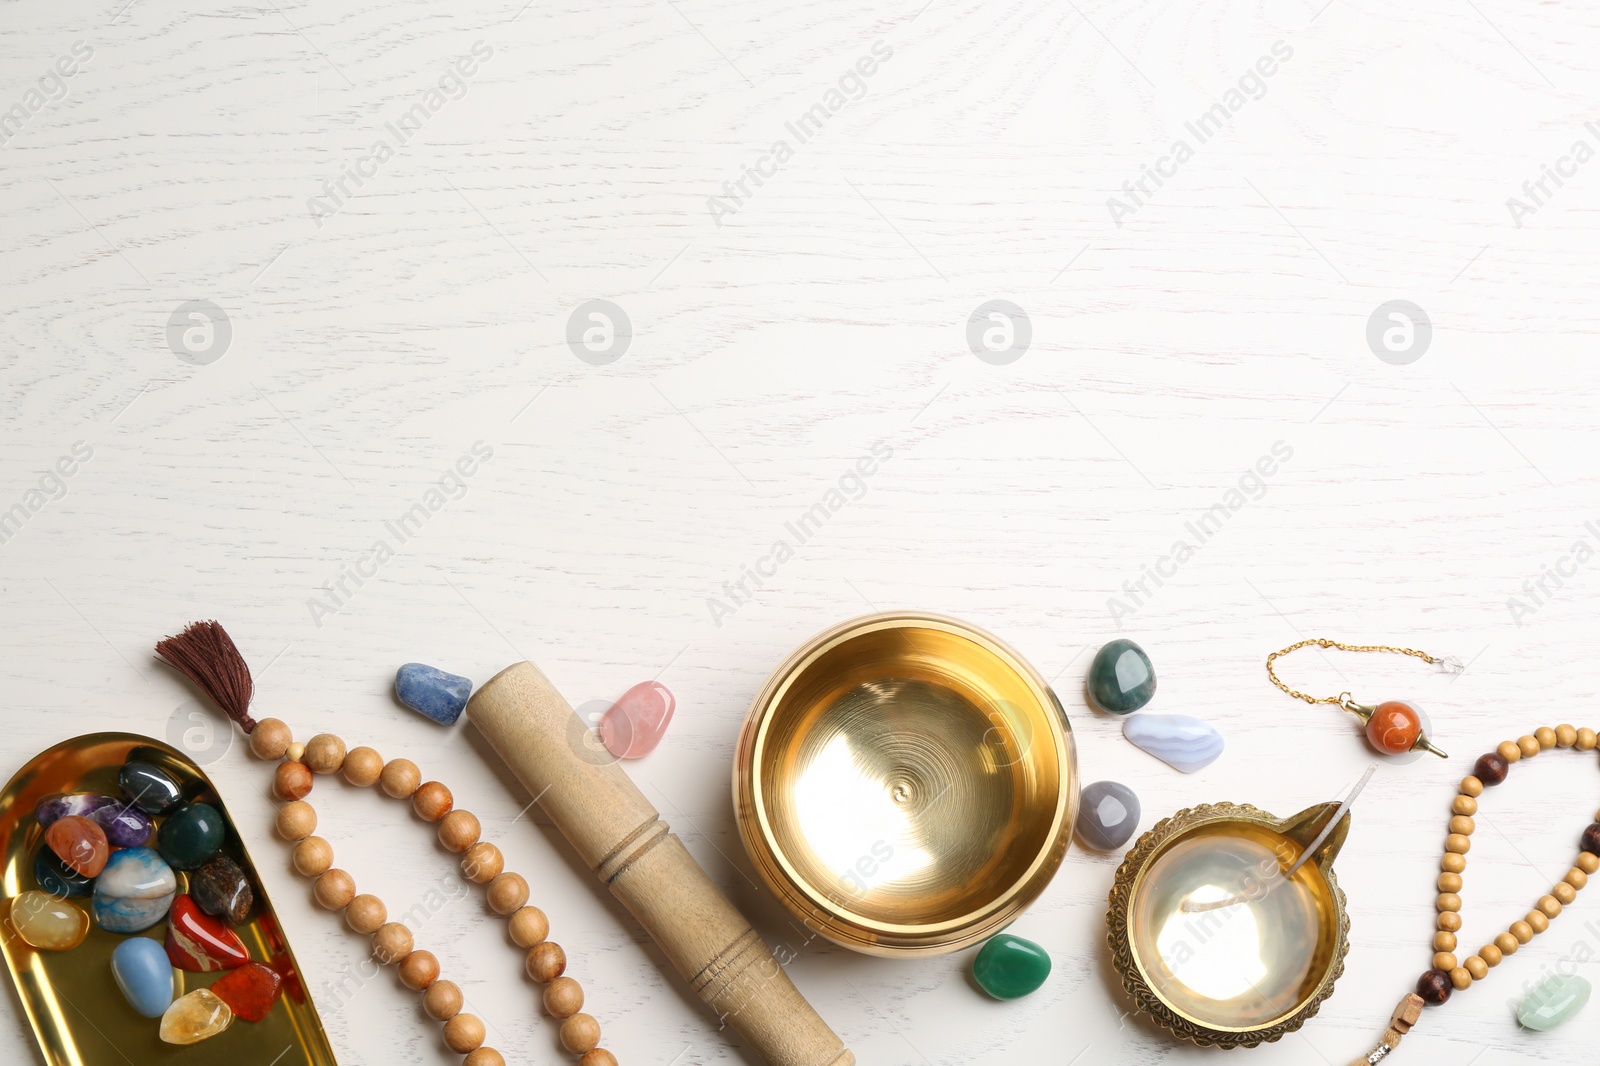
431,692
151,788
144,974
57,878
1182,742
1121,679
134,891
1108,814
126,826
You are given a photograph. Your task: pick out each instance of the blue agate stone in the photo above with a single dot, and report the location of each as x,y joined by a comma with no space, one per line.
57,878
431,692
144,974
1121,678
1182,742
134,891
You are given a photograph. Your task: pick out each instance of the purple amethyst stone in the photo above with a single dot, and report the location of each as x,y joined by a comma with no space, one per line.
58,805
126,826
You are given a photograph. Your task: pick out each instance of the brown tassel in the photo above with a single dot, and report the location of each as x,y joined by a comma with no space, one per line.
206,655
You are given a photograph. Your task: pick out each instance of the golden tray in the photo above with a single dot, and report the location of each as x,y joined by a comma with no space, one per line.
906,784
1212,941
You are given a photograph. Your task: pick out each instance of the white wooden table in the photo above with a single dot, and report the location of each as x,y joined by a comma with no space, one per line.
394,210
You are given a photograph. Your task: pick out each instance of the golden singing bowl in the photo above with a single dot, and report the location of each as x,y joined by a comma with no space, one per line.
906,784
1215,938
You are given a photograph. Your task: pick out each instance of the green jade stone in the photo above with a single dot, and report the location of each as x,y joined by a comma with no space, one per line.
1009,967
1556,999
1121,679
191,835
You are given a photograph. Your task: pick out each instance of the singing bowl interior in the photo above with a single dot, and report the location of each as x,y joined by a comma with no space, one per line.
906,784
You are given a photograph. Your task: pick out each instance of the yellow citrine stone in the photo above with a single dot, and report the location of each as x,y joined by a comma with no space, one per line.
195,1017
48,923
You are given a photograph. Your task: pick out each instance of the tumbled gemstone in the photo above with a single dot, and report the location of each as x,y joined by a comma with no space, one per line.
194,1017
46,922
57,878
1553,1001
633,726
191,835
1182,742
1009,967
57,806
144,974
199,943
134,892
249,991
222,889
1108,814
151,788
431,692
1121,679
80,843
126,826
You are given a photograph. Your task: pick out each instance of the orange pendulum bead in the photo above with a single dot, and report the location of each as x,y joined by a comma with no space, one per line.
1394,727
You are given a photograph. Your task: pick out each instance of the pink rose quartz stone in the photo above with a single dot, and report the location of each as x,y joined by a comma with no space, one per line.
633,726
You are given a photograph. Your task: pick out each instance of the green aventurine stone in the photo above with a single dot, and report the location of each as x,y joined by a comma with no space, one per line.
1009,967
191,835
1121,679
1557,999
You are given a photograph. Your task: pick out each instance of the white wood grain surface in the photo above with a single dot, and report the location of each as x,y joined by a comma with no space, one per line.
772,346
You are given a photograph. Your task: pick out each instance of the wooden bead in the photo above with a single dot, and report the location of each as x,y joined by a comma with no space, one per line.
1462,825
418,970
1491,954
1566,736
313,856
362,767
1450,883
1443,941
459,830
529,927
1464,805
507,893
563,997
464,1033
580,1033
1588,863
1447,901
391,943
1522,930
1461,979
1529,745
1564,894
1590,841
1476,967
484,1056
1459,843
442,1000
1510,751
1450,922
598,1057
291,781
295,751
1445,961
1491,769
1508,942
1434,987
1453,863
270,739
296,820
1471,786
482,863
366,914
400,778
432,801
1538,920
1587,740
1576,878
334,889
324,753
1549,905
1546,737
546,961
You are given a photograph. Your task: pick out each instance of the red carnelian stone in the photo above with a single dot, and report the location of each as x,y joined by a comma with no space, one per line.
1394,727
80,843
250,991
200,943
